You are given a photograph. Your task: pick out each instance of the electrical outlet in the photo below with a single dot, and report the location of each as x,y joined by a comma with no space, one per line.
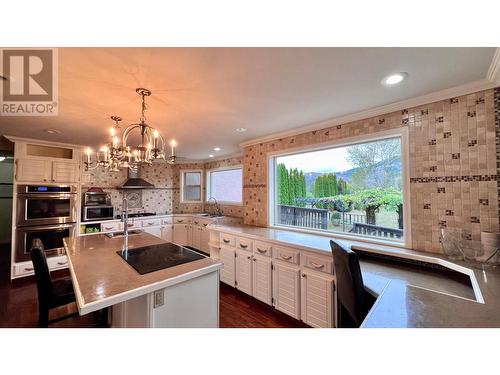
159,298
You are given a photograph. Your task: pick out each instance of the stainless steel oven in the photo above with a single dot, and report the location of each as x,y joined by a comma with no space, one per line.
51,235
90,213
42,204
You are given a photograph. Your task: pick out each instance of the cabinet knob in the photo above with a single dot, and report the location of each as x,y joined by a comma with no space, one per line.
248,257
255,260
304,275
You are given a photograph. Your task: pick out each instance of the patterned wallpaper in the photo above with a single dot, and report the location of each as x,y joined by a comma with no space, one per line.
165,198
454,165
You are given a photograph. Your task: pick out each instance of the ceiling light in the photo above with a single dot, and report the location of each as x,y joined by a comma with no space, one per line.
240,130
394,79
210,156
217,149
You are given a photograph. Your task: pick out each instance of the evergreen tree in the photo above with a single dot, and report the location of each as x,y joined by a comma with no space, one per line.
283,185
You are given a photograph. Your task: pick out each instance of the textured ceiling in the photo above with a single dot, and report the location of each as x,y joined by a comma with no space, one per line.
201,95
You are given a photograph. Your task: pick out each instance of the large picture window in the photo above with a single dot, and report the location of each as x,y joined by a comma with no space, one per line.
225,185
355,189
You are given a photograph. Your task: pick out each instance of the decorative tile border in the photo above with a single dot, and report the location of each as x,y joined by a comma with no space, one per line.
420,180
496,99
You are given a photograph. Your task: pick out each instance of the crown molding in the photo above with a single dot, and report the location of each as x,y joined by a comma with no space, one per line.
468,88
494,70
14,139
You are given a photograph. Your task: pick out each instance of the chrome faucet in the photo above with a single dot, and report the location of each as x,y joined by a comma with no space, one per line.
217,210
124,219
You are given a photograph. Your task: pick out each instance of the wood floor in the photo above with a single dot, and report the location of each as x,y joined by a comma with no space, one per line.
18,308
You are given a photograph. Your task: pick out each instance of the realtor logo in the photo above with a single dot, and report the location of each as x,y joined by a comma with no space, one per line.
29,82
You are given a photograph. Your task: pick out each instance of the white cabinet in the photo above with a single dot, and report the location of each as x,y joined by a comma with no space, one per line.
261,278
244,271
33,170
154,231
195,236
167,232
63,171
180,234
228,273
317,299
286,289
41,170
205,239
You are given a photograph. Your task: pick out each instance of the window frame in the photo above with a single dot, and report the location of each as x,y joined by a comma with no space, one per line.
208,183
401,133
183,174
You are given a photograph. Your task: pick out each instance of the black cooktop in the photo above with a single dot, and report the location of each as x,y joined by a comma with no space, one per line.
157,257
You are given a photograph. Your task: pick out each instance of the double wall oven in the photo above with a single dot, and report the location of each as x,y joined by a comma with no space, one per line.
45,212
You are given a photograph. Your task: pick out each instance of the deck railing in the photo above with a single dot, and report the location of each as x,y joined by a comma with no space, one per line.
375,230
350,218
303,217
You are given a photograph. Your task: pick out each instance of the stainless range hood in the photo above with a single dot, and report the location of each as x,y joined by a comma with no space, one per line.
134,181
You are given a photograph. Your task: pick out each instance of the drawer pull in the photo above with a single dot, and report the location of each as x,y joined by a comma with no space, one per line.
285,257
261,251
196,222
249,257
226,241
108,228
28,268
205,225
62,263
130,225
151,223
243,246
316,265
304,275
180,221
255,259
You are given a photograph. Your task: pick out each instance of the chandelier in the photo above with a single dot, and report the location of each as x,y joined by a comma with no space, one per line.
115,155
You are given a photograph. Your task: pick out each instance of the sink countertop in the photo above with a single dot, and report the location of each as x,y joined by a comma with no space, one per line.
400,301
101,278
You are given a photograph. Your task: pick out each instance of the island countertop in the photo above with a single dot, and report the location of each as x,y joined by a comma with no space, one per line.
403,301
101,278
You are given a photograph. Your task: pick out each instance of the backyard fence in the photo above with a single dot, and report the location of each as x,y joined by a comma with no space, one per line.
304,217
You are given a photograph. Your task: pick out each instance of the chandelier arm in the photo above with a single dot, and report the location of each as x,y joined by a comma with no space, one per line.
127,132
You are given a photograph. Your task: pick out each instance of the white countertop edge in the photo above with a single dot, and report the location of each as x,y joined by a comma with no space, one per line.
84,308
364,246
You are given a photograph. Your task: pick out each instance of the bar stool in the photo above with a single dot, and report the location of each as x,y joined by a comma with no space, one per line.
352,305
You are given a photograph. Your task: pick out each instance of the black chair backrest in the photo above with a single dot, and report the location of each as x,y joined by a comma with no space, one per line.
350,286
42,273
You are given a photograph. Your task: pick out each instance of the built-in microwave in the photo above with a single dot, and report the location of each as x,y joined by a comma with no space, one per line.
96,198
96,213
45,205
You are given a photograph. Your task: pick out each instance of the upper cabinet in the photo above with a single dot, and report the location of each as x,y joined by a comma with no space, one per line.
38,163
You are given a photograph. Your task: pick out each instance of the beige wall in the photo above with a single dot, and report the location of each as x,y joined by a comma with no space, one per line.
454,165
166,179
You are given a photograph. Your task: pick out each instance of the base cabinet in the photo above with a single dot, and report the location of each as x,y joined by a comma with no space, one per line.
154,231
244,271
228,273
180,234
261,278
205,240
317,299
286,289
166,232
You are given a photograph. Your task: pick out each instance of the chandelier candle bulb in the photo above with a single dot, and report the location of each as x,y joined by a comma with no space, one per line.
173,144
88,152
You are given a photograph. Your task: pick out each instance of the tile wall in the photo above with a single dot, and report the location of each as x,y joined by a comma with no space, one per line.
454,165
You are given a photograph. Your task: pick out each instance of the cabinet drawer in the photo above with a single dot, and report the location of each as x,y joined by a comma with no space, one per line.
166,220
57,262
317,262
244,243
182,220
111,227
227,239
286,254
132,224
23,269
262,248
151,223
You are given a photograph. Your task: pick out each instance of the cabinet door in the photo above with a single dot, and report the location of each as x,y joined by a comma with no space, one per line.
154,231
180,235
196,237
205,240
166,232
244,271
63,171
228,273
317,302
32,170
286,289
261,278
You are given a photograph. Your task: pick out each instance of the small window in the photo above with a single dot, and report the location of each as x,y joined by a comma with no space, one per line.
191,186
226,185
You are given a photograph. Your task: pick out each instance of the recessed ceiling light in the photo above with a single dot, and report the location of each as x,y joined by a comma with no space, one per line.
216,148
52,131
240,130
210,156
394,79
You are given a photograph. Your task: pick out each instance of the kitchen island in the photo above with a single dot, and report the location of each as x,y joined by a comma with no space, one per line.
184,295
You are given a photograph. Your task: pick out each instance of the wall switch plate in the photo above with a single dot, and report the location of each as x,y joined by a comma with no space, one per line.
159,298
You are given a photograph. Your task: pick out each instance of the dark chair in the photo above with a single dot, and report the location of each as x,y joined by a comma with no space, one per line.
51,293
352,305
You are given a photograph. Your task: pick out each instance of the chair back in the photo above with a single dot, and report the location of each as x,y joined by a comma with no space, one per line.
42,273
350,287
